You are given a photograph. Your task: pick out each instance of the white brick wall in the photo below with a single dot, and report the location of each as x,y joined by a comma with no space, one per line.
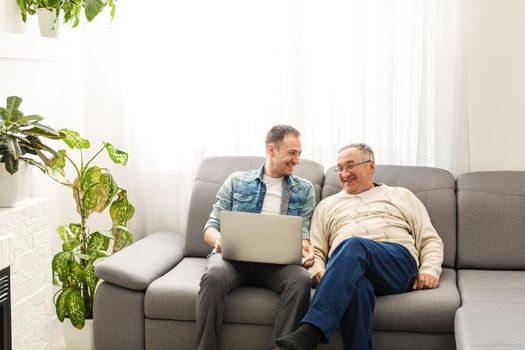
25,243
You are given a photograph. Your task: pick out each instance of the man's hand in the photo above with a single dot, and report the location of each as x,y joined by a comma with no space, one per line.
317,278
425,281
217,245
308,254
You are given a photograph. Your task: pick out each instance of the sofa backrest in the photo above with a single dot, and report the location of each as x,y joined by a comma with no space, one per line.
211,175
491,220
436,188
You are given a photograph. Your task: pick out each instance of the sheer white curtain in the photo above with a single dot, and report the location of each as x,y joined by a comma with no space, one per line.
199,78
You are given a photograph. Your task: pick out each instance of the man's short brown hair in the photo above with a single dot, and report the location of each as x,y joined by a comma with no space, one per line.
278,132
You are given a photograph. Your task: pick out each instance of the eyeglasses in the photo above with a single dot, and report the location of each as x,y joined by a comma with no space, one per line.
349,166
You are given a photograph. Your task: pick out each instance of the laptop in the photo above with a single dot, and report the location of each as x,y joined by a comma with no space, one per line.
262,238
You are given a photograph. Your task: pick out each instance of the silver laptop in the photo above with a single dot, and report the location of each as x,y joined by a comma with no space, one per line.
274,239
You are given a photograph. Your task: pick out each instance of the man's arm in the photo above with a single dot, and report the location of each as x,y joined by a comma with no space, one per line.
306,214
429,245
212,235
320,240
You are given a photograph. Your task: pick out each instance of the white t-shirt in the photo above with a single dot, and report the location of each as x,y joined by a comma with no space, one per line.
272,199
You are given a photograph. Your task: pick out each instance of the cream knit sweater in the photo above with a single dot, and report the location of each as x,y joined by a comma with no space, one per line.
383,214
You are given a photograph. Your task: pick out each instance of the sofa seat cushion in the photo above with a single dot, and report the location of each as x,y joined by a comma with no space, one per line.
430,310
485,286
484,326
174,297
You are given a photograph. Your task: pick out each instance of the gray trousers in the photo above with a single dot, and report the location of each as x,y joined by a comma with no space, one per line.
291,282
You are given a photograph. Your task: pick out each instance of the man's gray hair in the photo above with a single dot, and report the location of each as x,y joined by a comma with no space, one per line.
366,151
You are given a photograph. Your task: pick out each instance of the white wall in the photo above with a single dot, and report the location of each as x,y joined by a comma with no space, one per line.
495,32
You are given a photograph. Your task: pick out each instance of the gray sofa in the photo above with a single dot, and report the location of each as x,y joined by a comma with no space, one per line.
148,296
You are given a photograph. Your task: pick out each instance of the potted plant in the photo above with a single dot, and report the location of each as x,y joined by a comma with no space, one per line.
20,144
49,12
94,189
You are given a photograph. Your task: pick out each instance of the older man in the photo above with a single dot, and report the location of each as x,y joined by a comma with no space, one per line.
370,239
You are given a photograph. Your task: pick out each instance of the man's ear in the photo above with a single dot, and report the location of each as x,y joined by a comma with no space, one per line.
270,149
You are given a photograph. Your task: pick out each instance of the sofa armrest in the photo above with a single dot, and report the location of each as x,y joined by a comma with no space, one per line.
136,266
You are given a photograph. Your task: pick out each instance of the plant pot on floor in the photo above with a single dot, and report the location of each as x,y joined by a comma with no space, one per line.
79,339
48,23
14,189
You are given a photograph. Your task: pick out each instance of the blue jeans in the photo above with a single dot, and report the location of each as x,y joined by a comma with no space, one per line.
358,270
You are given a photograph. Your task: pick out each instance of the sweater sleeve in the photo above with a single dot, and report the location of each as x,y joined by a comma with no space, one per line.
319,237
427,241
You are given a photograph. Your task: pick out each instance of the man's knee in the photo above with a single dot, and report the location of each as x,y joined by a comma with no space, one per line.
364,289
299,281
214,280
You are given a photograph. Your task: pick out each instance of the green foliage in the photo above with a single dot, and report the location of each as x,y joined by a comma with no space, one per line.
20,137
72,9
94,189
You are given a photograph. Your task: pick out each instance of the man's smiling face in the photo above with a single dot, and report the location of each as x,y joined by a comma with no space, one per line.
355,171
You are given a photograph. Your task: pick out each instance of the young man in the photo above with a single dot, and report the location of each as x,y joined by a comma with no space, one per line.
377,240
271,189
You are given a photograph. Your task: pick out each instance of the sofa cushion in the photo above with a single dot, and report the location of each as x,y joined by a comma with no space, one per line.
490,326
174,297
484,286
436,188
142,262
491,220
211,175
429,310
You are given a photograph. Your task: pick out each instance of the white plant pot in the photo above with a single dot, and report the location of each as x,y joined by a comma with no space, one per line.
14,189
48,23
79,339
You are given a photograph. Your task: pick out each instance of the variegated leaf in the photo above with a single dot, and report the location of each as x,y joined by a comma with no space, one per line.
73,139
91,197
116,155
97,242
60,304
60,266
69,239
109,190
75,308
121,210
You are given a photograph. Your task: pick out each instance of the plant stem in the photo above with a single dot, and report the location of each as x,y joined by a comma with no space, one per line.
96,154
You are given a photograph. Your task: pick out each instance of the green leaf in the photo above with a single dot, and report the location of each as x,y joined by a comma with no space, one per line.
13,102
34,163
109,190
70,239
116,155
73,139
121,210
91,197
58,162
89,278
60,266
113,6
30,118
93,8
42,130
60,304
91,177
121,238
97,242
74,304
58,175
13,147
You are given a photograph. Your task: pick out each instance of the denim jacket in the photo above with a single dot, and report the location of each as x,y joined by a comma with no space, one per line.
245,190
